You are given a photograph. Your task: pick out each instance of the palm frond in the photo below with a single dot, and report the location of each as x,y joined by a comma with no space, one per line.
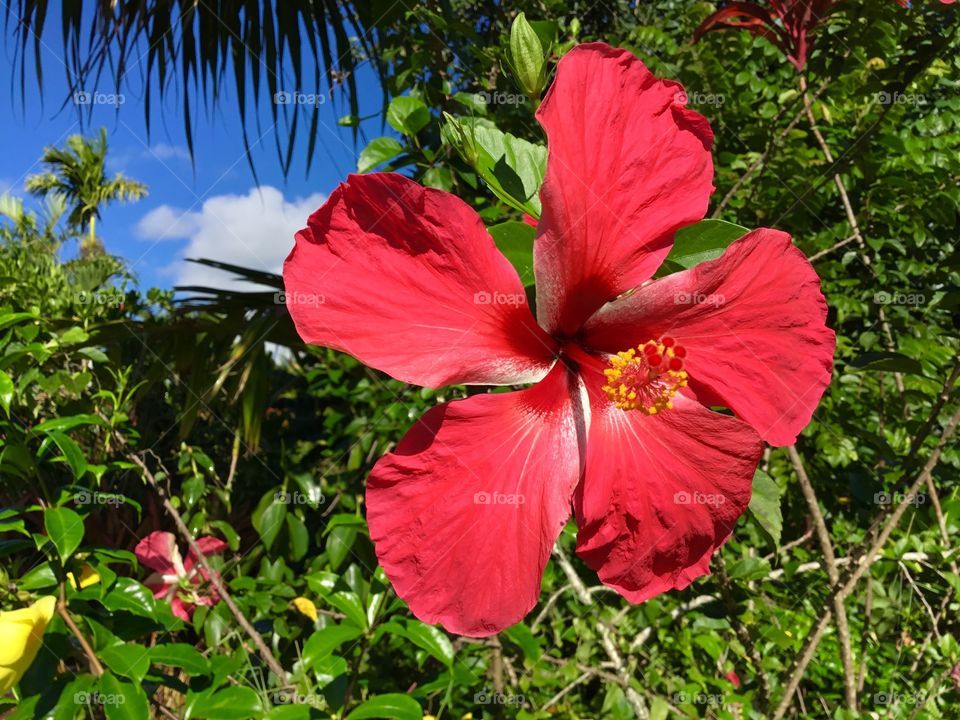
194,49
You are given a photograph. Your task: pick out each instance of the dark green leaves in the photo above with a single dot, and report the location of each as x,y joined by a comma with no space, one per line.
515,240
65,529
696,243
765,505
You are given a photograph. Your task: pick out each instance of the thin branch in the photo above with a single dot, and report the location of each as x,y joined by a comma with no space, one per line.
636,701
830,560
726,591
857,569
214,577
95,667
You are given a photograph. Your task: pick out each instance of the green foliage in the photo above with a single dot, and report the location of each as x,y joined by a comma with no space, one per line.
269,450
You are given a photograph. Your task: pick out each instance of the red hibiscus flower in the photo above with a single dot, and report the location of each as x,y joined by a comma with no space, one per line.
465,511
788,24
182,583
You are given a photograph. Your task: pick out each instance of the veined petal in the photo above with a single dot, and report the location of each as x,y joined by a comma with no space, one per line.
408,280
159,552
465,511
628,165
660,493
753,322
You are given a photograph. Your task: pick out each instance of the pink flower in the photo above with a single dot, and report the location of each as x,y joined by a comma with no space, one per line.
181,583
465,511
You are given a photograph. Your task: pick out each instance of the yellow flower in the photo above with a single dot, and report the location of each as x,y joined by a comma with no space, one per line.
21,634
88,577
306,607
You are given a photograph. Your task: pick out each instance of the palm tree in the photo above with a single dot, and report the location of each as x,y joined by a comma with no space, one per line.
76,172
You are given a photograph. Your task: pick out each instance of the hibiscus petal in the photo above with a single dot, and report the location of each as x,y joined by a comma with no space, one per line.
208,546
660,492
753,324
466,510
158,551
408,280
628,166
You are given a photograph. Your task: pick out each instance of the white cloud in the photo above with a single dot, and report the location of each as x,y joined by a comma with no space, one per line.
253,230
165,151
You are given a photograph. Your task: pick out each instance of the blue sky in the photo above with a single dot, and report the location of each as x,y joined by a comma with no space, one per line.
214,208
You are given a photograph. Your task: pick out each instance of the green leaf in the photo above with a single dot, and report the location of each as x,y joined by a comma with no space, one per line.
349,604
515,240
695,244
130,596
232,703
71,453
181,656
300,711
268,519
8,319
408,115
431,639
511,167
68,423
765,505
393,706
128,659
65,529
122,700
887,362
323,642
6,392
378,151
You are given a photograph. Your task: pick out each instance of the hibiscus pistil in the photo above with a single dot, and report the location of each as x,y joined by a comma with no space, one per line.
647,377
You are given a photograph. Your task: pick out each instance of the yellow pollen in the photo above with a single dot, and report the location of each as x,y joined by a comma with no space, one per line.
646,378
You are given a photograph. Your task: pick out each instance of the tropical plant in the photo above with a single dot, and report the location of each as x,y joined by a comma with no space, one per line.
76,173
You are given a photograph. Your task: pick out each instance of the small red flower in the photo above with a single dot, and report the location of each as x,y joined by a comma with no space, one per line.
733,678
465,511
181,583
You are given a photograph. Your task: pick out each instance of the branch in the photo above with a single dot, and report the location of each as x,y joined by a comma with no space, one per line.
95,667
857,569
830,560
606,636
215,579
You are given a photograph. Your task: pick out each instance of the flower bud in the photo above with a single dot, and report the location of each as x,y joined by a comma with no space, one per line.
527,58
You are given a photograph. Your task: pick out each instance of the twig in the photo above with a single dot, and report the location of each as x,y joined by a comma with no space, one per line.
559,696
830,560
723,580
857,570
637,702
760,161
95,667
923,599
214,577
836,246
697,602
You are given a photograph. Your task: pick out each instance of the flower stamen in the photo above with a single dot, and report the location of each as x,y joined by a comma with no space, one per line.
647,377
